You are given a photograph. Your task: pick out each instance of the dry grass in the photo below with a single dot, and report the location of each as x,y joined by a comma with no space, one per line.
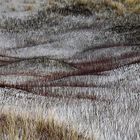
28,7
119,6
14,127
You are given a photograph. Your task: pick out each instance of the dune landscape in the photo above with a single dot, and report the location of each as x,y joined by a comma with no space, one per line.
69,70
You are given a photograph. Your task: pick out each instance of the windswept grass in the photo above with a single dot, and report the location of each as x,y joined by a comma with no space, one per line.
14,127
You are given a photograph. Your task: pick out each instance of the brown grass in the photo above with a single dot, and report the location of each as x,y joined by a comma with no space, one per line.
28,7
119,6
15,127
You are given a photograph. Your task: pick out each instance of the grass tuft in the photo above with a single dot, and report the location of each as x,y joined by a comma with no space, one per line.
14,127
